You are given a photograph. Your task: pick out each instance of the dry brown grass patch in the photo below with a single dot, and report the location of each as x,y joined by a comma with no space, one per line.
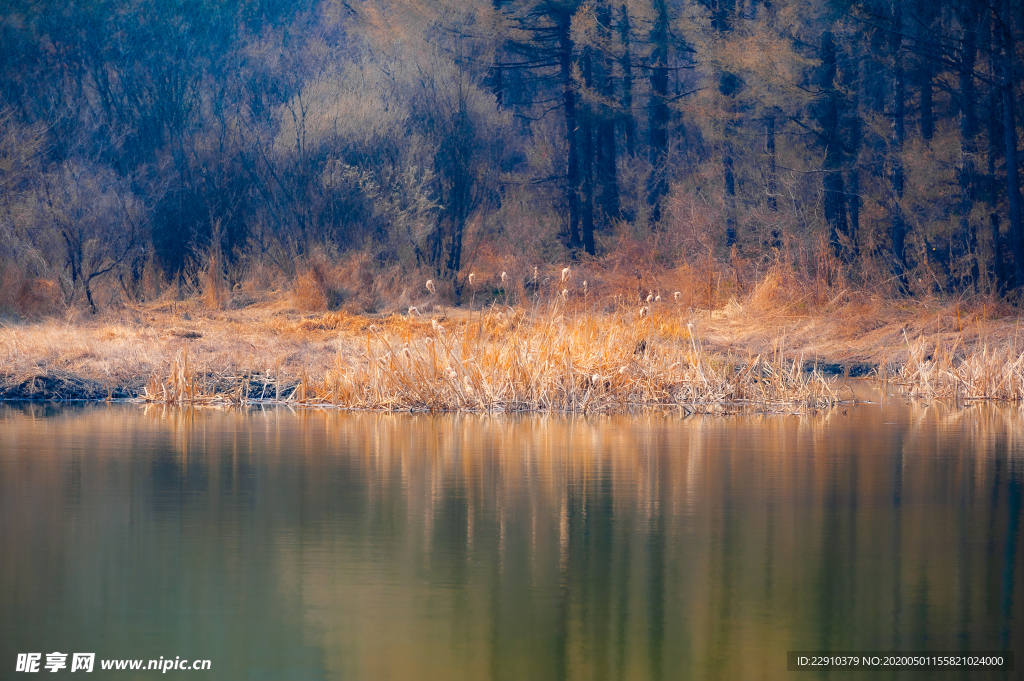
558,359
540,354
39,297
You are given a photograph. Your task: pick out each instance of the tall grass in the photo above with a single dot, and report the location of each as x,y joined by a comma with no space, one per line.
536,338
948,371
551,359
183,387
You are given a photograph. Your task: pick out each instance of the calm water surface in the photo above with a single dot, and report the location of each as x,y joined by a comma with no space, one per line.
324,545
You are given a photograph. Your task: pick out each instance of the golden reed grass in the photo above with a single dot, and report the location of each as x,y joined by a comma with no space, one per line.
946,371
579,339
181,387
554,359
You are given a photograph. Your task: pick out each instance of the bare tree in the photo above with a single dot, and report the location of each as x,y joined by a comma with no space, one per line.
94,217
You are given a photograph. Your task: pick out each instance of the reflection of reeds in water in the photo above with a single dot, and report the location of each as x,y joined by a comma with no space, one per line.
937,371
555,361
665,544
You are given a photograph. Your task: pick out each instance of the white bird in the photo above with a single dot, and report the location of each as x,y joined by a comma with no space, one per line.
676,295
430,285
504,277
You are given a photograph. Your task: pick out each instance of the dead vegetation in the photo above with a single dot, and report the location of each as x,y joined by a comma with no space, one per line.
578,338
937,370
553,359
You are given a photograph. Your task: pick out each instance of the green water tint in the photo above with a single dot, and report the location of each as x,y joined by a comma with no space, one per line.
326,545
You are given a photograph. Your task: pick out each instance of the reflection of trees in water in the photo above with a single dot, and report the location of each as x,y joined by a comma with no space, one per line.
605,547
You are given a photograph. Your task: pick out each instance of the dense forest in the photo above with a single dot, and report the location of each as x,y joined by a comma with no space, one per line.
147,146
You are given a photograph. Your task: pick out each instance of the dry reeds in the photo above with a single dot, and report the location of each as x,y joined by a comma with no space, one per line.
589,342
29,296
212,284
182,387
316,287
555,360
934,370
308,293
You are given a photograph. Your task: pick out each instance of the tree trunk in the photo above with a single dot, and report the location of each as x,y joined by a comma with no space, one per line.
1013,182
769,148
773,184
995,136
88,295
628,121
729,175
925,14
899,227
1010,142
456,173
497,73
587,135
606,152
853,154
572,191
853,200
835,191
927,97
968,144
660,114
728,85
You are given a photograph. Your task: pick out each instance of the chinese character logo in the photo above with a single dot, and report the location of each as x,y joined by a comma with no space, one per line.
56,661
28,662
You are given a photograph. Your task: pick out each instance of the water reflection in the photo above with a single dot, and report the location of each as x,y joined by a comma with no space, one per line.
316,544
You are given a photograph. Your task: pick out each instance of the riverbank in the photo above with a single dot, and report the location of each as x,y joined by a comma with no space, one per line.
555,354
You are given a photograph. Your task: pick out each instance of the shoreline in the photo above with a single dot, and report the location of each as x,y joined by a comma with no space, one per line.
54,389
273,350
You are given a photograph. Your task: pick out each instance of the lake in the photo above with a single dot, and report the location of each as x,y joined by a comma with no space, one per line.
330,545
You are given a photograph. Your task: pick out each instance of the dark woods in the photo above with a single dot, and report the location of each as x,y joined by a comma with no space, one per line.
145,146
